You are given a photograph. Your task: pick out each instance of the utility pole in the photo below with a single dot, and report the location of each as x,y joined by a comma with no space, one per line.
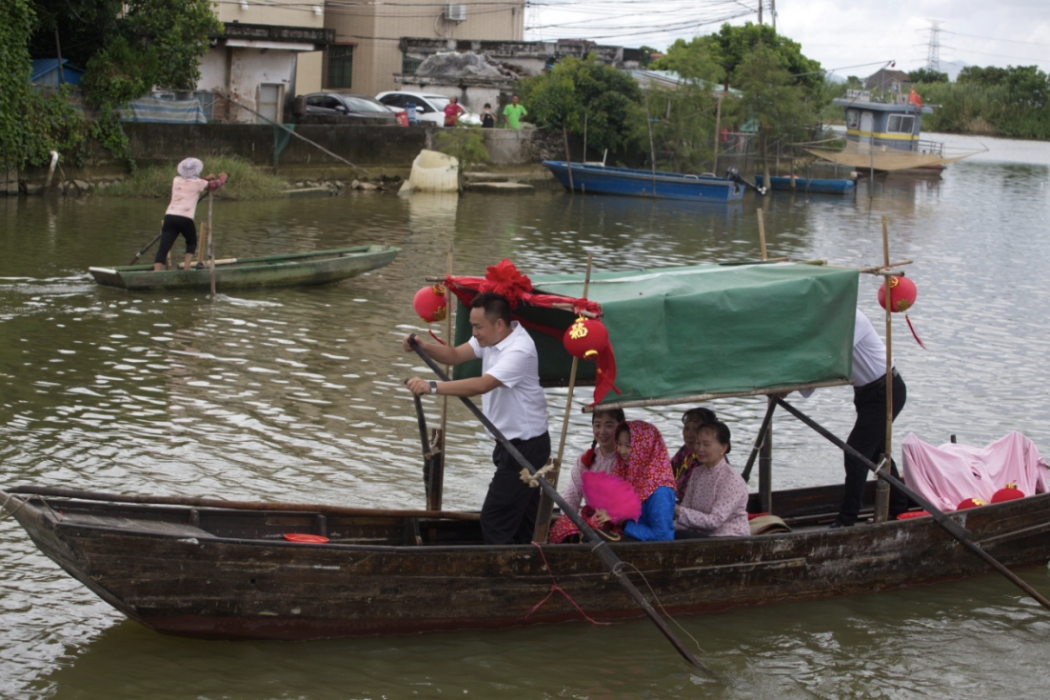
773,12
760,11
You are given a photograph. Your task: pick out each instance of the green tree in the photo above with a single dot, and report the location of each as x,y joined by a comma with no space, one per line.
772,101
927,75
987,77
576,93
16,23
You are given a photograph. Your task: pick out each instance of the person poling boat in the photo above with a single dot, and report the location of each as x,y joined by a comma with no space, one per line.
178,219
512,399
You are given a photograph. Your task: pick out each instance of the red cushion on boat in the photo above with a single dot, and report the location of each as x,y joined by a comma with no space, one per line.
970,503
752,516
916,514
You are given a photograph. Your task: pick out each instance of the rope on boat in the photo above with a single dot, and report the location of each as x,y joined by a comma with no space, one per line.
8,513
533,480
555,588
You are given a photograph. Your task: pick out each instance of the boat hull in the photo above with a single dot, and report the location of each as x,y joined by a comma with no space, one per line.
810,185
229,573
318,267
600,179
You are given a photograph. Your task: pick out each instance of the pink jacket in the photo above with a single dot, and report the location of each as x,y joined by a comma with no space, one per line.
184,194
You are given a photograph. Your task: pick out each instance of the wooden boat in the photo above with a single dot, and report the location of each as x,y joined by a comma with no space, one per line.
886,136
592,178
219,569
809,185
317,267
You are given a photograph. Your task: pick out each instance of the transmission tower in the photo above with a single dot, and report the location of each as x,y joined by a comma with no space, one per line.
933,53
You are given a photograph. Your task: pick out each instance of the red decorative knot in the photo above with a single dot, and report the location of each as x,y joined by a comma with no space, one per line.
431,303
586,338
903,293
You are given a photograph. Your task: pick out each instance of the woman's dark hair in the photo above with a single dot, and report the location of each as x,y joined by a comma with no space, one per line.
704,415
721,431
495,305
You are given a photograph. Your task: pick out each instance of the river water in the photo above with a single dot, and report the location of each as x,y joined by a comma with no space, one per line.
295,395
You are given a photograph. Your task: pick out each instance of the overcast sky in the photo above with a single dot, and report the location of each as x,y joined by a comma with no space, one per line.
849,38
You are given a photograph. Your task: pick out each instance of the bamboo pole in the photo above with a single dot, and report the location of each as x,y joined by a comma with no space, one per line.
718,134
568,157
700,398
211,249
437,465
652,146
543,515
762,234
882,490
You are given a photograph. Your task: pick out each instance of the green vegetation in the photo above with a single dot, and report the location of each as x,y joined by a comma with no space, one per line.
1012,102
246,182
125,46
577,95
467,145
925,75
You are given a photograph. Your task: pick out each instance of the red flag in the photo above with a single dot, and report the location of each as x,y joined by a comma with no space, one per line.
914,98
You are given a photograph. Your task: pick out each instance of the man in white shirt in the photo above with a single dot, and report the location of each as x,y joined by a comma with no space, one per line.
512,399
869,431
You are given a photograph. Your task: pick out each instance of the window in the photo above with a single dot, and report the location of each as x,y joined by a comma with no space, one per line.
409,65
901,124
340,66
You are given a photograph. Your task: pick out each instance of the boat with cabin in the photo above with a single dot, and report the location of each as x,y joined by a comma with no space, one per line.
885,136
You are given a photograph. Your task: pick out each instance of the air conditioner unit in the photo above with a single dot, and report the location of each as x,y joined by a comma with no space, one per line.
456,13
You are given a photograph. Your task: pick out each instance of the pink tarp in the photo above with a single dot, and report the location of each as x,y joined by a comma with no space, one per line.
951,473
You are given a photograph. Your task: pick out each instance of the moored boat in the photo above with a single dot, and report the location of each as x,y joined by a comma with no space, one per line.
316,267
811,185
594,178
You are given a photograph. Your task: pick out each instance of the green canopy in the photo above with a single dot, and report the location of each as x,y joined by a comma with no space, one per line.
709,330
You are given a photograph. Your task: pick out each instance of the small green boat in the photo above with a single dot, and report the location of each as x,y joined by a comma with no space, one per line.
318,267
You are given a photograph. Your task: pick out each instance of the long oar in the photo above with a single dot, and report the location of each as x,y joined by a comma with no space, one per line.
428,458
954,529
145,248
600,546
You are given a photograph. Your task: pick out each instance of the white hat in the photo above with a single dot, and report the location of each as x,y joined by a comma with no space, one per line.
190,168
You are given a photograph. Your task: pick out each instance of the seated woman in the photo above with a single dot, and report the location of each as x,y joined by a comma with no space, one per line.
684,458
712,496
600,458
643,463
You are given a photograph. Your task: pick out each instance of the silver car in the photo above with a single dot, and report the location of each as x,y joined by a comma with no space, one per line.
429,107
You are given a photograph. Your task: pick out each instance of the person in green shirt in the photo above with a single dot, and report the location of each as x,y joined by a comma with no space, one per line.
513,113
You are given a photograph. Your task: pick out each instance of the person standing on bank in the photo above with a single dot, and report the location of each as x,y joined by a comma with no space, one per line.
513,113
452,111
178,219
512,399
869,431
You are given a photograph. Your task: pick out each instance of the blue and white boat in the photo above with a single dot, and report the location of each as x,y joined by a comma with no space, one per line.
590,178
809,185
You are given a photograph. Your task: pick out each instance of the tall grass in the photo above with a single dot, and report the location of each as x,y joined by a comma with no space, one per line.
245,181
968,108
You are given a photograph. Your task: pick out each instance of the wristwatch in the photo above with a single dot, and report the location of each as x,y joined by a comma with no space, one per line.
433,386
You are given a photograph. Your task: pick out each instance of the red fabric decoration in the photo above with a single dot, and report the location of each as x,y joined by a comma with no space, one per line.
431,303
505,279
1007,493
916,514
914,98
612,494
587,458
970,503
752,516
903,293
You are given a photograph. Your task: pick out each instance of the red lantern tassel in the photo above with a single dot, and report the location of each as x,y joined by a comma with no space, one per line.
605,376
913,334
432,335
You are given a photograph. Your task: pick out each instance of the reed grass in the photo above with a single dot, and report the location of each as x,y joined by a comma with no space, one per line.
245,181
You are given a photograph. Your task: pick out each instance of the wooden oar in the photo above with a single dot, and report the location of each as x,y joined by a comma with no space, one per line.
953,528
600,546
428,458
145,248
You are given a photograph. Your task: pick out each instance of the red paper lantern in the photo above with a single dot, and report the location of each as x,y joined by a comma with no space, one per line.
586,338
431,303
970,503
902,293
1008,493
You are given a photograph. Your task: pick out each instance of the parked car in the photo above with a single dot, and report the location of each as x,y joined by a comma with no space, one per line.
429,107
359,108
